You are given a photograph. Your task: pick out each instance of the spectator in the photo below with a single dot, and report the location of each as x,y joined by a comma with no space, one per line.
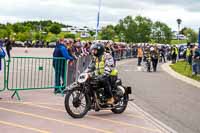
196,61
139,55
8,46
189,53
174,54
2,55
1,43
60,51
154,57
162,52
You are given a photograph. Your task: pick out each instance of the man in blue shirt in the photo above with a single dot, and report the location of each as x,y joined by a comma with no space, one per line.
2,55
59,64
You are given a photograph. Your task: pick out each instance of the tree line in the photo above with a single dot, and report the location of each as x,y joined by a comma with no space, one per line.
131,30
141,29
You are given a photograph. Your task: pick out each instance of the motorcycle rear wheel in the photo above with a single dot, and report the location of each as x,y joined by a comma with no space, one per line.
123,107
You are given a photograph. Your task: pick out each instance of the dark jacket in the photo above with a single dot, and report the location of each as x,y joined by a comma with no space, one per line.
197,53
61,51
8,45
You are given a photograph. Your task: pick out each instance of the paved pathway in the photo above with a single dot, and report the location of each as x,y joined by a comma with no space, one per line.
170,100
41,111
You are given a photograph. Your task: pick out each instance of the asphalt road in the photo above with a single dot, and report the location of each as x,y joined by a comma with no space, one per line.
171,101
42,111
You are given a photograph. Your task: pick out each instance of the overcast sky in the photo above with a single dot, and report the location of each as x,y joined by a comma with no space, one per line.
84,12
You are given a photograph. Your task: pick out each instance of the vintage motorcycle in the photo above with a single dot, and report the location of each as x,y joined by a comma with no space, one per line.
88,94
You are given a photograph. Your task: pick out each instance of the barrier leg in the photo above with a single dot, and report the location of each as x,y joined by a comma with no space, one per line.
61,90
17,94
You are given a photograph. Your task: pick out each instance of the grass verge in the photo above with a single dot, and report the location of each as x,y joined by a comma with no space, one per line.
184,69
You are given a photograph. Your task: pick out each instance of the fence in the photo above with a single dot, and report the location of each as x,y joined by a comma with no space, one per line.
2,74
32,73
75,69
125,53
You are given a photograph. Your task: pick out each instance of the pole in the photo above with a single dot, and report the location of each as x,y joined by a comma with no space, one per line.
178,32
98,18
199,39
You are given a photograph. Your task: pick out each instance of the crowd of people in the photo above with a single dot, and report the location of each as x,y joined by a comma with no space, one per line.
150,54
153,54
193,58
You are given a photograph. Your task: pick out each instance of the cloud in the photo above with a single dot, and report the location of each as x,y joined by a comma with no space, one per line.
84,12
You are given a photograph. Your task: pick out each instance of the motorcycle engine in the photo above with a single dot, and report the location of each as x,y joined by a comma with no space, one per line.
120,91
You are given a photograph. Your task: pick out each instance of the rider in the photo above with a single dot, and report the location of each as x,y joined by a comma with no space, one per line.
104,66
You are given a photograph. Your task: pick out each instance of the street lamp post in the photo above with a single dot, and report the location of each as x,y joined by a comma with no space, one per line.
179,21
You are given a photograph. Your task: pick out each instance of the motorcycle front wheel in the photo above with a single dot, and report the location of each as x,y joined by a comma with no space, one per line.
76,103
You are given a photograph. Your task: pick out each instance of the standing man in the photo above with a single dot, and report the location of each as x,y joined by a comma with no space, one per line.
174,54
8,46
189,53
196,61
162,52
59,65
2,55
139,55
154,57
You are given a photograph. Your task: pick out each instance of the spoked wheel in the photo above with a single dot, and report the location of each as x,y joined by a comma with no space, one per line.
122,105
76,103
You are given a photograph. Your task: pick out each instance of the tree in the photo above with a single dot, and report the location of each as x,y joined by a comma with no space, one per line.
92,33
161,33
3,33
23,36
134,30
18,27
108,33
37,36
55,28
72,36
127,29
191,35
183,30
51,37
143,31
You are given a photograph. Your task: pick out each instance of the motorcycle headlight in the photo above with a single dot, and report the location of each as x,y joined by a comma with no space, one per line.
83,78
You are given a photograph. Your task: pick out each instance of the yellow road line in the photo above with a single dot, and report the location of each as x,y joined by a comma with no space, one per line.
56,120
38,103
125,124
32,103
103,119
135,116
22,126
98,118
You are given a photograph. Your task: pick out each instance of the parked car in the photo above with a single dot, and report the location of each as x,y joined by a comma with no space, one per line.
19,44
52,45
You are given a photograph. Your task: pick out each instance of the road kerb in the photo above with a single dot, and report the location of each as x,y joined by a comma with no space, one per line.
176,75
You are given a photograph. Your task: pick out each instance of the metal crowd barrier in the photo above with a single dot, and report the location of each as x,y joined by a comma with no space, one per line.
2,74
33,73
75,69
125,54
